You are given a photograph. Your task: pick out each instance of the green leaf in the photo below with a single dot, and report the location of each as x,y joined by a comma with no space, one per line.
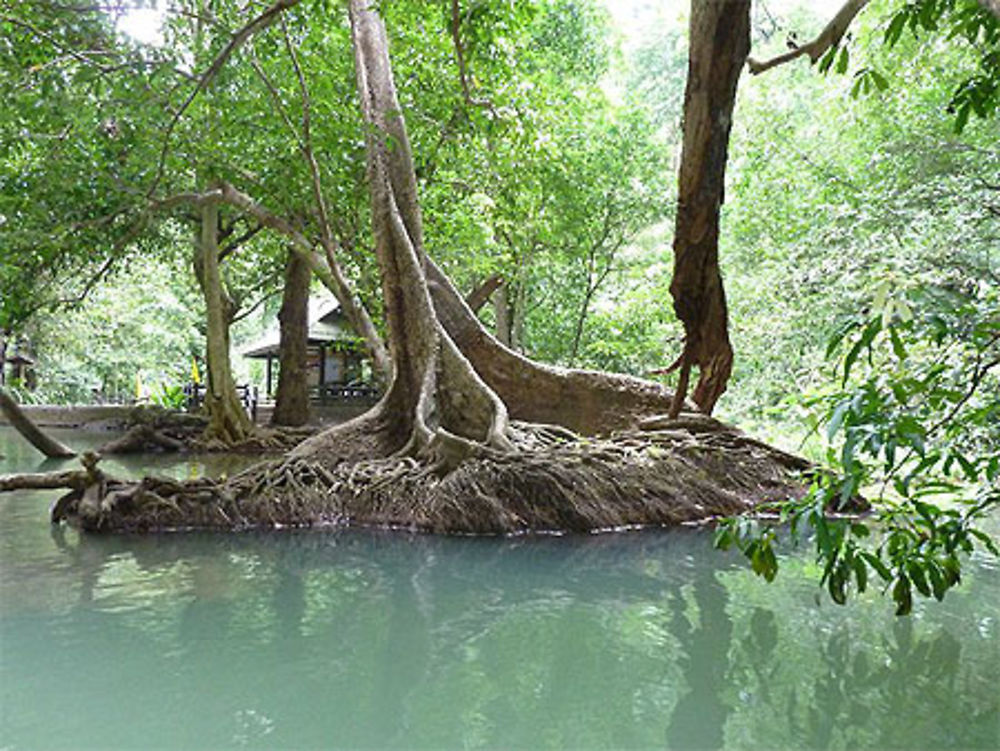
962,117
860,573
987,541
876,563
837,419
895,28
918,578
842,61
897,344
903,596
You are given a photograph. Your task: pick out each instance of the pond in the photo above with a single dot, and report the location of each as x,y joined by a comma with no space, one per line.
361,639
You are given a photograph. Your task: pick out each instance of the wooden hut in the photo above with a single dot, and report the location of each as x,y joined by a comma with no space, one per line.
336,355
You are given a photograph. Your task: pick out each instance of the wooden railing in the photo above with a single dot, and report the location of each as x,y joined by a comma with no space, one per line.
336,392
195,393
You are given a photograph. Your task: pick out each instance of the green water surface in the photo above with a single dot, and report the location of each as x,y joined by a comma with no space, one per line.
361,639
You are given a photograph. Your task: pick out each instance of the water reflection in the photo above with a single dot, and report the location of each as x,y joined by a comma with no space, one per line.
361,639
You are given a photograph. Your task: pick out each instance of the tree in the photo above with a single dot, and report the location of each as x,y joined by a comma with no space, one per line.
439,451
291,404
720,43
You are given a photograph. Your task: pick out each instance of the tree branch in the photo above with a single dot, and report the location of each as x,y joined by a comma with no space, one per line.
477,298
258,24
829,37
463,77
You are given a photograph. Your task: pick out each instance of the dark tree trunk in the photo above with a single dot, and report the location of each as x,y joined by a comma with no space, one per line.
720,42
291,406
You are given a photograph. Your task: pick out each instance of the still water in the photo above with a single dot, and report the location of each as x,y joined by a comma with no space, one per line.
360,639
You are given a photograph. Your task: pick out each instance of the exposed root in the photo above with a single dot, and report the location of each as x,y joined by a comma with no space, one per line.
548,479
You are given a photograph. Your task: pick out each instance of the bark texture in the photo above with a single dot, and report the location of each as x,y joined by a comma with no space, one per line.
291,405
720,42
228,422
436,407
584,401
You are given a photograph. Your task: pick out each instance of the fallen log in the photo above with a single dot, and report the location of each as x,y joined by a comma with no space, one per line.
32,433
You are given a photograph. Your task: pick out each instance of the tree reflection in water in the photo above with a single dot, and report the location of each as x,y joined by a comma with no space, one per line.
368,639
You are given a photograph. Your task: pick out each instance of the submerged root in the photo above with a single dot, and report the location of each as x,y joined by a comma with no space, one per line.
549,480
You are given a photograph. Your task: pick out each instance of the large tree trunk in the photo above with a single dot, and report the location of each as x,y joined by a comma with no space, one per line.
291,406
228,421
720,42
584,401
436,407
437,452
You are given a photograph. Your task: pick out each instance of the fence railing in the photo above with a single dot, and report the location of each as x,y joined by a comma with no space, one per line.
333,392
195,393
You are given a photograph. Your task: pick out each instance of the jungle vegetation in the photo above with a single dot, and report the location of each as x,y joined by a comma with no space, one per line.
842,301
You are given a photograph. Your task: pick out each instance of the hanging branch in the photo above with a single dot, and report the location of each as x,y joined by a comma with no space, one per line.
829,37
463,76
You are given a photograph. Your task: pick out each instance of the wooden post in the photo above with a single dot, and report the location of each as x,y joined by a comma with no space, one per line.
322,369
269,376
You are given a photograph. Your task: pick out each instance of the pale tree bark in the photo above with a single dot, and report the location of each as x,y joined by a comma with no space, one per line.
720,42
503,314
828,38
436,407
227,420
291,405
584,401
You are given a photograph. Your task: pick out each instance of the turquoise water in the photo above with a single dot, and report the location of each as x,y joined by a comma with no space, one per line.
375,640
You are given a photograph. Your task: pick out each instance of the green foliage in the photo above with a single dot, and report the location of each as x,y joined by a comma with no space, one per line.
916,420
976,85
169,396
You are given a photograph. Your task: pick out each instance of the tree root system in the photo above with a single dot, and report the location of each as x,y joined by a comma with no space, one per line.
154,429
676,471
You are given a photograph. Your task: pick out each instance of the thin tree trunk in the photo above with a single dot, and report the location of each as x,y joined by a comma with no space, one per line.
720,42
332,277
291,405
227,419
478,297
32,433
502,313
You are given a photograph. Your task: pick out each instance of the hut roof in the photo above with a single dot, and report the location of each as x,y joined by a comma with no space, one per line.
327,325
